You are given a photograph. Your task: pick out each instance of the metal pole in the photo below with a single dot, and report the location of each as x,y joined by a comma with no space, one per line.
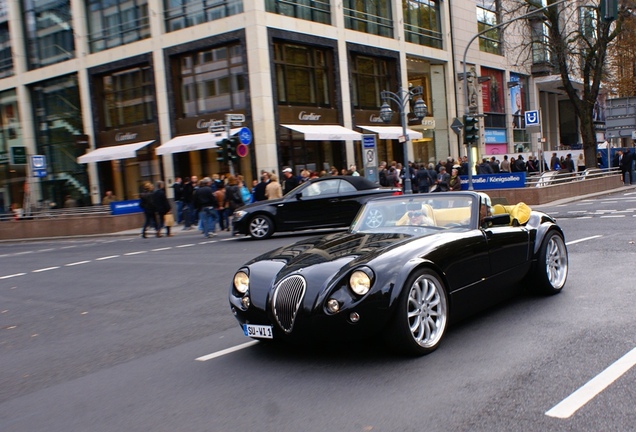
466,111
407,189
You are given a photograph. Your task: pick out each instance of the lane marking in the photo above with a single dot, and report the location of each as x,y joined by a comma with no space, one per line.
226,351
185,245
76,263
45,269
106,257
135,253
613,216
568,406
161,249
585,217
582,240
12,276
46,250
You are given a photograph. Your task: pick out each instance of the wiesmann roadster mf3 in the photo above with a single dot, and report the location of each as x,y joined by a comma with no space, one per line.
406,268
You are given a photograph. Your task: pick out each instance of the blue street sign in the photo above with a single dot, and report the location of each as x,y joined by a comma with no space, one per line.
532,118
245,136
38,165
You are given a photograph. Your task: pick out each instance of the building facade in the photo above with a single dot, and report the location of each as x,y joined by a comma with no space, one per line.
117,93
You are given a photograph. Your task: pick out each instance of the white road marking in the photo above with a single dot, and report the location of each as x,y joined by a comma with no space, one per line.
585,217
76,263
45,269
577,211
135,253
226,351
582,240
185,245
568,406
612,216
161,249
106,257
46,250
68,247
12,276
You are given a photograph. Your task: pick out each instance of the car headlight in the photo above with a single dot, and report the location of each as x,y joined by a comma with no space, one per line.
239,214
241,282
360,282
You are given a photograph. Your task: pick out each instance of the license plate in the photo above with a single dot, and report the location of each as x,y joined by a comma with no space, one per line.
258,331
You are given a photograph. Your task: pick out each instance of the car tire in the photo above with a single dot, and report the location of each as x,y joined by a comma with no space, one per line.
374,218
552,264
261,227
421,317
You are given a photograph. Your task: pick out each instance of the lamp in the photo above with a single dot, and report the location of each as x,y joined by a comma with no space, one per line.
402,97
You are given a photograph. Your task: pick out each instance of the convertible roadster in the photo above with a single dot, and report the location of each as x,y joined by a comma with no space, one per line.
407,267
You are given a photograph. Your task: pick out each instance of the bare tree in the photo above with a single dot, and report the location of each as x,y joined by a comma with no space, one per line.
576,38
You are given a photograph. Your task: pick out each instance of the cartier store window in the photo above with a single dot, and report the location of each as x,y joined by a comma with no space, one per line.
369,76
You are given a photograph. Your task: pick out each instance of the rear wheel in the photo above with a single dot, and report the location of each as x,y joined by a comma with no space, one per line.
422,314
261,227
552,264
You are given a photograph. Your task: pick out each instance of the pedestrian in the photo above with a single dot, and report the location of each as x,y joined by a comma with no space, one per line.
206,205
177,187
290,180
187,195
494,164
259,189
219,194
273,190
233,198
382,172
246,195
162,208
424,180
454,182
580,162
626,167
442,180
353,170
147,203
109,198
504,166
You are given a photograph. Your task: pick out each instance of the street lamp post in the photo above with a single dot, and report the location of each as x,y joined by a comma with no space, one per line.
402,97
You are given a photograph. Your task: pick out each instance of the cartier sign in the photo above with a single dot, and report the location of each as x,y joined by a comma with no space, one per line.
304,116
125,136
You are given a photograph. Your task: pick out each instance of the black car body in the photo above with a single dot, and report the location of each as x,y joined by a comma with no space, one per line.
326,202
388,276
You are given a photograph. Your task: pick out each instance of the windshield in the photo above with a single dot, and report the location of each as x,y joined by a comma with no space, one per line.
433,211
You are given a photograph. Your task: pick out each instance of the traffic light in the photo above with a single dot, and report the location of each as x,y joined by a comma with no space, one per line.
222,151
231,149
471,129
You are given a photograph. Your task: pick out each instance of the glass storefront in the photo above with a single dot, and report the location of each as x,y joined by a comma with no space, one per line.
12,168
6,60
58,122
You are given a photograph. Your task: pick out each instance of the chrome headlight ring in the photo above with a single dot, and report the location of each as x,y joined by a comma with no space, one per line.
241,281
360,281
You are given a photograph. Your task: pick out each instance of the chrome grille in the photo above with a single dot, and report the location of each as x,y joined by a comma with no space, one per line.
288,295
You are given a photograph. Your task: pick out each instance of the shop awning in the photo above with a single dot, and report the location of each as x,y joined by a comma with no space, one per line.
200,141
392,132
122,151
325,132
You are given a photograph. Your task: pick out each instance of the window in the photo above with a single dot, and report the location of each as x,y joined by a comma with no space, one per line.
211,80
113,24
49,31
369,16
310,10
303,75
369,76
540,51
422,22
128,98
487,17
180,14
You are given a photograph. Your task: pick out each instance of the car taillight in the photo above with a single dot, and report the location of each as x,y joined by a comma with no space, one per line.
397,193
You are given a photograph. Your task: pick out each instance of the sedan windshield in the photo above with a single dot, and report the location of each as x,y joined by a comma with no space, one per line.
453,210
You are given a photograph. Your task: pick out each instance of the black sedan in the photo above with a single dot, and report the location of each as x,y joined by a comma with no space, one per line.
326,202
406,268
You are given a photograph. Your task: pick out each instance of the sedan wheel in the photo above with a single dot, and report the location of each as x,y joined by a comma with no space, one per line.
422,314
552,264
261,227
375,218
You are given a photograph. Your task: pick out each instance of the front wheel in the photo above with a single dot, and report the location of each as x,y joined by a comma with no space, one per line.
552,264
261,227
422,314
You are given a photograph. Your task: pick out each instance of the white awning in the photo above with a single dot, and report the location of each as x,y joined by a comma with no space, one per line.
325,132
392,132
200,141
122,151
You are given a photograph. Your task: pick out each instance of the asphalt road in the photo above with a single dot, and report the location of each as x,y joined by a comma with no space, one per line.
103,334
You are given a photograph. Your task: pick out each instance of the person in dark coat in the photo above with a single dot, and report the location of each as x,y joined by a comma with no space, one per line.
259,189
147,203
162,207
187,195
423,178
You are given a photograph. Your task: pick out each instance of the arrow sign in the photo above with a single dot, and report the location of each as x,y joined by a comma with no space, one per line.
457,126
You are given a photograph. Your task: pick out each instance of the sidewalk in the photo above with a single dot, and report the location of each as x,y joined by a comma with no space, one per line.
582,197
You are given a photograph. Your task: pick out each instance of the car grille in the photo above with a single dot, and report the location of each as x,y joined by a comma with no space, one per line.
288,296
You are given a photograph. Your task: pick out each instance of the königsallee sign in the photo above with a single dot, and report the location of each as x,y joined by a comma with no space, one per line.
496,181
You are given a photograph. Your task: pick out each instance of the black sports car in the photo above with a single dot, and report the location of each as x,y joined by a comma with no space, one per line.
407,266
325,202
